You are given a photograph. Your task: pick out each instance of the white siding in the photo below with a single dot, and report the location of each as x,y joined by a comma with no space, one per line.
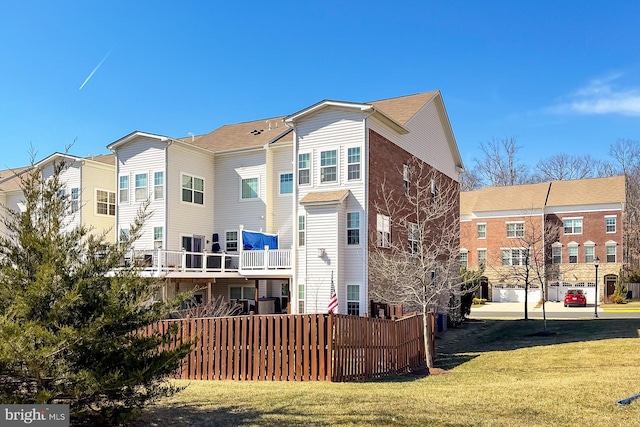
230,211
280,209
189,219
69,178
320,220
427,138
144,155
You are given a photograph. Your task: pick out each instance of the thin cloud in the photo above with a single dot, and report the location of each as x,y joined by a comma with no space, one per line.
601,96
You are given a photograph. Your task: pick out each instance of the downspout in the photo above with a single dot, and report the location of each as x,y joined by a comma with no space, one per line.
365,267
293,282
544,256
165,241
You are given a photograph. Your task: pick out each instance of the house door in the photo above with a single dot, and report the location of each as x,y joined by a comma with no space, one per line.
193,244
610,284
484,288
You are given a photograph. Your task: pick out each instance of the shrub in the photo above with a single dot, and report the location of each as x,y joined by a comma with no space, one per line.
479,301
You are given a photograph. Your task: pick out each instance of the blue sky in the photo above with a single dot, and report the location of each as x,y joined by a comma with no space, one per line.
560,76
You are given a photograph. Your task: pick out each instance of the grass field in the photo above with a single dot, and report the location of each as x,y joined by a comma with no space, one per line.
493,373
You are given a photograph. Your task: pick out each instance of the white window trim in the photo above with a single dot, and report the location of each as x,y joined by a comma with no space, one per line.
359,300
615,217
136,188
259,196
507,223
573,218
570,246
95,196
128,188
611,244
161,240
164,186
280,193
347,148
466,252
485,230
383,217
204,190
511,256
302,231
353,245
337,166
486,253
310,169
589,245
553,246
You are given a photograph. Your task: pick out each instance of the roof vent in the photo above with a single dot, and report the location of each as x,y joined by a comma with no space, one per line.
256,132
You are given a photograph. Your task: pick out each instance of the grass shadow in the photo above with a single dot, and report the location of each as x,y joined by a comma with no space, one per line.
459,345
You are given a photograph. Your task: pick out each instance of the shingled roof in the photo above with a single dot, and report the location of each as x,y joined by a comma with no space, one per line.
10,178
252,134
402,108
534,196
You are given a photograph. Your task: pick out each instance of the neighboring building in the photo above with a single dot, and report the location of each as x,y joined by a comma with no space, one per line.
88,182
497,224
310,179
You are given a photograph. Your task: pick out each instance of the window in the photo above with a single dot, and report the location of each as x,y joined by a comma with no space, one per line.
304,169
556,254
464,259
250,188
572,225
75,199
573,254
105,202
434,189
589,253
406,179
328,166
353,163
413,234
300,298
231,238
514,256
515,229
124,234
157,237
611,252
124,189
286,183
158,185
192,189
353,228
611,224
141,187
353,300
482,257
384,231
301,230
482,231
242,293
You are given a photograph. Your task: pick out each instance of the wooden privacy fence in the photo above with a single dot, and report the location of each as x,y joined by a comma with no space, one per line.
304,347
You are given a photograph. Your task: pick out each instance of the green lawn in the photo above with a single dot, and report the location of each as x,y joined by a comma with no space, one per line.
494,373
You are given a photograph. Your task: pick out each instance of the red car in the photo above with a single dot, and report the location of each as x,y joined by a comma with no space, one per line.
575,297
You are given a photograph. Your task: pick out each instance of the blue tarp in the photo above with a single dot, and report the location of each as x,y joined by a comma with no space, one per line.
254,240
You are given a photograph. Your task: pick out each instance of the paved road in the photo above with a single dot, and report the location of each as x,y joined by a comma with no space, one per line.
555,310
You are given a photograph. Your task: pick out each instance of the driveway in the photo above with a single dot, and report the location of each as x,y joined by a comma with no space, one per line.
555,310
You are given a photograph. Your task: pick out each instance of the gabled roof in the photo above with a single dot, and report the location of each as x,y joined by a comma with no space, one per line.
402,108
254,134
525,197
108,159
134,135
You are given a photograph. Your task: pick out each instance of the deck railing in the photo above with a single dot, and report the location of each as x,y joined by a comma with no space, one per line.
165,261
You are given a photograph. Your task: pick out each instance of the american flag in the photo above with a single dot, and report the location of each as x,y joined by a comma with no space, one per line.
333,301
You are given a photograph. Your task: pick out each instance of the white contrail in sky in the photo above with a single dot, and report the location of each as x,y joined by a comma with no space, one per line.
94,70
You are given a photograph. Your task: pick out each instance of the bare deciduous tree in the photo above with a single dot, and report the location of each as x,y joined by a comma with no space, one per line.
626,155
470,180
528,257
500,165
419,264
564,167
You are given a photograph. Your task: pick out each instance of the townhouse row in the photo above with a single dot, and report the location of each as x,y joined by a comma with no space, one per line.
272,213
571,226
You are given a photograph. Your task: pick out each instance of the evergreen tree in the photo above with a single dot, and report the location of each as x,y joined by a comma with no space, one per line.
69,313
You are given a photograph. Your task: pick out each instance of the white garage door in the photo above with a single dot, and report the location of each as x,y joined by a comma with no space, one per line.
512,293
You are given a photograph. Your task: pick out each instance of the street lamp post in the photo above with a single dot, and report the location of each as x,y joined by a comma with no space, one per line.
596,262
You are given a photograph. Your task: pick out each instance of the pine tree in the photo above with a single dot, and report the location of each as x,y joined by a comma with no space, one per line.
69,312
